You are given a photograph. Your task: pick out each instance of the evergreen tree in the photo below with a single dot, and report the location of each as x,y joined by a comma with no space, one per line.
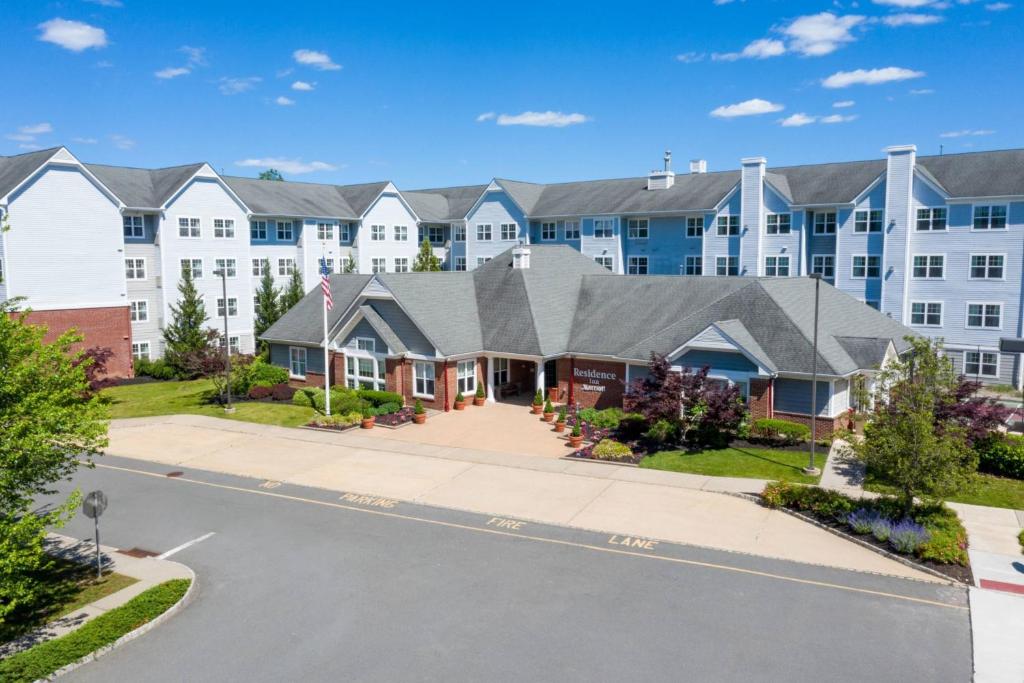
268,306
185,334
350,265
425,259
271,174
293,293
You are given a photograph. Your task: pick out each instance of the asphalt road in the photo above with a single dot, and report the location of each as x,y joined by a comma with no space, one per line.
297,584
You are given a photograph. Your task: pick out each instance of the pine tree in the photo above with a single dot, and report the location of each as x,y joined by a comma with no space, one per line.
293,293
185,334
268,307
350,265
425,259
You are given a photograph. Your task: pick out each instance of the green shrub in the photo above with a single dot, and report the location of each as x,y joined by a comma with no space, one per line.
538,399
388,408
662,432
1020,539
822,502
480,391
576,430
378,398
631,426
609,418
45,658
257,372
1002,455
419,409
610,449
157,369
782,431
548,408
459,398
368,412
342,400
338,419
561,414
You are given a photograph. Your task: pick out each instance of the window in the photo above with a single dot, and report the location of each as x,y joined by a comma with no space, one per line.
140,350
234,345
329,263
981,363
435,233
990,217
825,223
866,266
229,265
694,226
824,265
459,233
139,311
929,266
637,265
325,231
985,316
727,265
223,228
549,231
480,260
378,265
604,228
189,227
467,377
509,231
460,263
638,229
232,307
285,266
135,269
402,265
728,225
377,233
867,221
284,231
483,232
931,219
260,266
345,232
423,374
926,313
195,266
402,233
258,230
779,223
776,266
693,265
987,266
364,373
133,226
572,230
297,361
606,261
500,371
366,344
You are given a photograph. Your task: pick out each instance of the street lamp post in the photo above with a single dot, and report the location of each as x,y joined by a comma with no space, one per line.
811,468
223,274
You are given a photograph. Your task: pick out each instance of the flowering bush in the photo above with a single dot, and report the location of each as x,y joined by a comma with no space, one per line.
610,449
907,536
881,529
861,520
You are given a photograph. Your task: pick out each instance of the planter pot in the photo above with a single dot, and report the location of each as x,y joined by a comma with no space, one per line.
548,417
479,400
419,419
576,441
559,427
459,405
537,410
367,422
553,394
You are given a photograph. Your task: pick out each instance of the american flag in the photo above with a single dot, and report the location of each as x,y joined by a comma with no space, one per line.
325,284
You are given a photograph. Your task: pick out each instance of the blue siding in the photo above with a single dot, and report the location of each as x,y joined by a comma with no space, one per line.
314,357
665,248
794,396
716,360
365,330
784,245
715,245
495,208
852,244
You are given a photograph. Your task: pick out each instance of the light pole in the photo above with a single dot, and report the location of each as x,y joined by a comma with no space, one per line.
811,468
223,274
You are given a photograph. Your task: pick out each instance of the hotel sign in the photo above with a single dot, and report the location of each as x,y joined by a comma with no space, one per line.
591,380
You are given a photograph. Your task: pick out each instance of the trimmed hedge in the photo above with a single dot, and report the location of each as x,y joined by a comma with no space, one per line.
1002,455
342,400
783,431
388,408
609,418
379,398
157,369
42,660
609,449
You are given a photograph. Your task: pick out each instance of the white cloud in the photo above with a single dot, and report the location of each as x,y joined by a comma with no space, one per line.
971,132
290,166
998,6
85,141
486,116
796,120
234,86
122,142
750,107
906,4
910,19
838,118
761,48
843,104
284,101
544,119
196,56
107,3
820,34
36,129
844,79
72,35
303,86
690,57
172,72
921,91
29,146
20,137
315,59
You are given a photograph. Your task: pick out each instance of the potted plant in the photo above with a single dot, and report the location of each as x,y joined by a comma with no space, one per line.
538,403
419,415
549,411
576,436
369,418
480,397
552,394
460,401
560,422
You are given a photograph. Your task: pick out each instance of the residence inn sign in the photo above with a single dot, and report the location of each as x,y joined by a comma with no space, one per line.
589,379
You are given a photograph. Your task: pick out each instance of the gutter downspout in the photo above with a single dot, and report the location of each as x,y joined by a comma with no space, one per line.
444,386
572,380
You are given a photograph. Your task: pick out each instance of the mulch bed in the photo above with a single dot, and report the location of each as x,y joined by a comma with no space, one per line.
402,417
332,428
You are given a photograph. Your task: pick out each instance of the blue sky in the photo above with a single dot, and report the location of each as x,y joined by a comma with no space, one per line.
430,95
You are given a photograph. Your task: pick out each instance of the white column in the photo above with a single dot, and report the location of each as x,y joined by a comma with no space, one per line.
490,379
540,377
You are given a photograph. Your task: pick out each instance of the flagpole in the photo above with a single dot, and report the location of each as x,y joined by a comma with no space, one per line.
327,353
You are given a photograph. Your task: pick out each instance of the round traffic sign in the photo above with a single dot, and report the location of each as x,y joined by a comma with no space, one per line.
94,504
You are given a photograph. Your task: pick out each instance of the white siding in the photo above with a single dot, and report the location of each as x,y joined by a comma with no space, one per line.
388,211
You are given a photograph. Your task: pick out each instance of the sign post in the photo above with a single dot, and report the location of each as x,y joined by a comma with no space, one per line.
1015,345
93,506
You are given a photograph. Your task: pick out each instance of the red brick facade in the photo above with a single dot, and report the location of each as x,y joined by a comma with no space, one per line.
102,327
760,400
591,383
826,425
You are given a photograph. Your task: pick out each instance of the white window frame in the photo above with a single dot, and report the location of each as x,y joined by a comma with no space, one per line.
825,266
546,236
989,228
129,226
190,228
367,344
693,265
220,307
287,265
988,257
459,233
607,230
229,264
134,269
572,230
325,231
480,260
694,227
466,374
401,233
825,223
378,264
727,226
484,232
633,265
981,364
401,264
140,349
354,379
378,232
284,230
297,356
344,232
425,377
435,235
924,320
226,228
606,261
984,315
778,223
867,221
260,266
867,266
508,229
728,261
137,313
258,231
776,265
459,264
931,219
638,228
192,266
928,267
501,372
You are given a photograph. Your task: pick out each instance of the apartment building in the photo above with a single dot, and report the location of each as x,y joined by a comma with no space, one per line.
934,242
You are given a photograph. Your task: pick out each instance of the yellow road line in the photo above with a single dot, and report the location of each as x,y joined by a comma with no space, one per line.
573,544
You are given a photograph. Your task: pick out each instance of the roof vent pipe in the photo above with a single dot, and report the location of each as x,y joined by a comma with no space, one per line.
668,160
663,179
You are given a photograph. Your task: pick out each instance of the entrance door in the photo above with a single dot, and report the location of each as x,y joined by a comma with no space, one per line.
550,378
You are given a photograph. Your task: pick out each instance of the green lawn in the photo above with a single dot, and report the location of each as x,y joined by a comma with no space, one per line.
754,463
997,492
168,398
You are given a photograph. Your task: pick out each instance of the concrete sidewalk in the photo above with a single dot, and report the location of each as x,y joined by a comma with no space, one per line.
622,500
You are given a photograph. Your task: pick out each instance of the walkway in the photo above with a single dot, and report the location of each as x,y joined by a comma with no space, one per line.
595,496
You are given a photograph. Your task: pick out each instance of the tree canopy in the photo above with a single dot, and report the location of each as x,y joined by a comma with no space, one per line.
271,174
426,261
186,332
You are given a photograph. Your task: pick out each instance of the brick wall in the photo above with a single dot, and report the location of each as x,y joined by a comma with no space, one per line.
104,327
759,402
826,425
610,397
400,380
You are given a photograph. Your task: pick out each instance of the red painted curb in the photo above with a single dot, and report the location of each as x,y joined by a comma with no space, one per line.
1002,586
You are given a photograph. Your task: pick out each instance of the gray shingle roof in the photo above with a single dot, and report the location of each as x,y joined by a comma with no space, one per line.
979,174
526,195
303,322
359,197
442,305
276,198
141,187
445,203
865,351
14,169
837,183
691,192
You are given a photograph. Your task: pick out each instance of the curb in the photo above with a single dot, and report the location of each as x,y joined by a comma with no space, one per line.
185,600
597,460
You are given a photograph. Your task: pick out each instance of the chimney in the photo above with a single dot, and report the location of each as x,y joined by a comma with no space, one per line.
521,257
698,165
663,179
